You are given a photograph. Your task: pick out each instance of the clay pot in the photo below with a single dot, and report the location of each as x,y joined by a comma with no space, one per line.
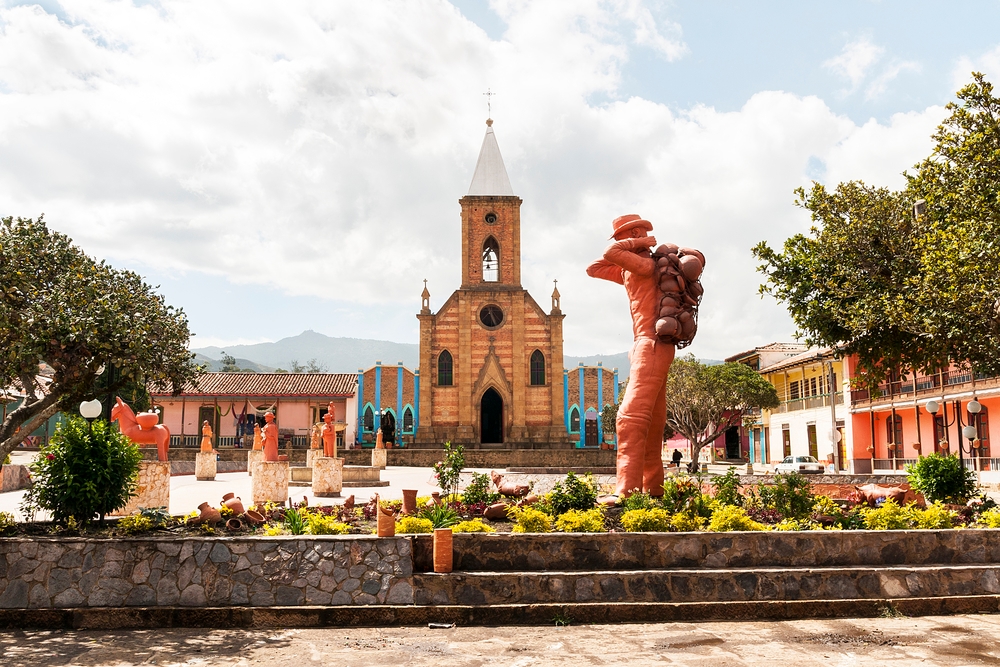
409,501
443,552
278,515
669,311
666,249
254,518
529,500
349,505
147,420
496,512
667,327
695,289
670,301
688,327
690,267
692,251
232,502
435,498
208,514
670,284
386,523
234,524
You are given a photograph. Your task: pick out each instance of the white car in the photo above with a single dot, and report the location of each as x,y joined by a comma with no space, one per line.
807,465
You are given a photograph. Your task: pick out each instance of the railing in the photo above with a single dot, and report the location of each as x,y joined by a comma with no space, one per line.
230,441
923,385
809,403
891,464
982,464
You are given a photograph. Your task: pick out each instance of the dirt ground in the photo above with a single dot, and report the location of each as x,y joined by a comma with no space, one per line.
943,640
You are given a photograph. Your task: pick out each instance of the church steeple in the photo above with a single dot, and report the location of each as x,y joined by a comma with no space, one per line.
490,178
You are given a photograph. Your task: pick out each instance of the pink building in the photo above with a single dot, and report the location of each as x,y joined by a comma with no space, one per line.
233,402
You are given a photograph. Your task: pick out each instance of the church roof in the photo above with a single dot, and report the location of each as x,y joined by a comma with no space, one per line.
490,178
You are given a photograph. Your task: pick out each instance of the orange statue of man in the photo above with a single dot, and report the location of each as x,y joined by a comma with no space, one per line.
329,434
258,438
206,437
652,294
270,434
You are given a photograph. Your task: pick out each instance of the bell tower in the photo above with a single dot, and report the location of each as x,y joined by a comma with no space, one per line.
491,224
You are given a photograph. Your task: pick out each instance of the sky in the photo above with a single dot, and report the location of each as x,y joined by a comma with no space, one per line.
277,167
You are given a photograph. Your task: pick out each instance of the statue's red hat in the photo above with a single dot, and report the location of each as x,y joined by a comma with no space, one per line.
627,222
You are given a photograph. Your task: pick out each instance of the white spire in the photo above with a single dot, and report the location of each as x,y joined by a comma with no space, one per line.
490,178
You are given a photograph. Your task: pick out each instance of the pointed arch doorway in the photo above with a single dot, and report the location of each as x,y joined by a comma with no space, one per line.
491,417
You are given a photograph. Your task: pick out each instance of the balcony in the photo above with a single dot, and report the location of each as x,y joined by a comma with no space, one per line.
923,386
808,403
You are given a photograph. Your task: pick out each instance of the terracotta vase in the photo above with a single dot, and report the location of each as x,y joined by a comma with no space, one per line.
409,501
209,514
435,498
496,512
443,552
232,502
234,524
255,518
147,420
386,523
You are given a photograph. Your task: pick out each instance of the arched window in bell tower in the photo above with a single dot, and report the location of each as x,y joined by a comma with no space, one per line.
444,369
491,260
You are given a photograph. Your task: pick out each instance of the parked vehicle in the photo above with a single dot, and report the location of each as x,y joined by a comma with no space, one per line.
807,465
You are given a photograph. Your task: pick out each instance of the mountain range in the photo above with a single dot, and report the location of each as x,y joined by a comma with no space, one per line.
347,355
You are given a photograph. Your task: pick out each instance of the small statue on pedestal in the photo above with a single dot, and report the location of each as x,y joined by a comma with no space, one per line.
270,433
329,434
206,437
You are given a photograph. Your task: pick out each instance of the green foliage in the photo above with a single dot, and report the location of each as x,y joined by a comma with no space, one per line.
449,471
529,520
135,523
83,472
727,489
890,516
935,516
59,306
944,478
472,526
895,289
294,521
683,494
646,520
6,460
730,517
414,525
703,401
318,523
440,516
573,493
792,496
581,521
609,418
637,501
7,523
480,490
158,516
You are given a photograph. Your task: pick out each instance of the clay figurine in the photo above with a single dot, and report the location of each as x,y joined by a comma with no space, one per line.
206,437
378,440
509,489
663,292
258,438
314,440
270,433
329,435
142,429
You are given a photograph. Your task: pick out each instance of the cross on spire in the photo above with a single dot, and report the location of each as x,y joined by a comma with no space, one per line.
489,108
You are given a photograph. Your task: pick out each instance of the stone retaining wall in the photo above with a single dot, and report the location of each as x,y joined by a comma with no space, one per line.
491,458
191,572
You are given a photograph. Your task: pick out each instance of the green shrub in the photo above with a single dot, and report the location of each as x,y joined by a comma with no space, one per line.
730,517
890,516
295,522
990,518
573,493
440,516
581,521
318,523
686,522
650,520
727,489
942,478
83,472
935,516
135,523
792,496
637,501
449,471
529,520
414,524
7,523
681,493
480,490
473,526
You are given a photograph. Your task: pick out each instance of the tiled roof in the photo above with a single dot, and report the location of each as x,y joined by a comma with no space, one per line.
271,384
814,354
770,347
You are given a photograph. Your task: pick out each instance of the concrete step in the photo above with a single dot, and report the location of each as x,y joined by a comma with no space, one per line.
701,585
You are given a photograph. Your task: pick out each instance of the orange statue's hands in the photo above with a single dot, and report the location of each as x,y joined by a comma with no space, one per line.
622,253
639,243
605,270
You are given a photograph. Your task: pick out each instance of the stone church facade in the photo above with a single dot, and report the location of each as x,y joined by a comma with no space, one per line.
491,357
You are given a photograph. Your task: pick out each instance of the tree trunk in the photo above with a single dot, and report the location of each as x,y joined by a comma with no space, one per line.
21,422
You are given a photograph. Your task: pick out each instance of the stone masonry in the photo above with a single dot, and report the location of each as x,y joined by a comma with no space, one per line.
191,572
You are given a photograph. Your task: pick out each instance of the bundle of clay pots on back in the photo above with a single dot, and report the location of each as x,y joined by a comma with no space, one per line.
241,518
514,494
678,270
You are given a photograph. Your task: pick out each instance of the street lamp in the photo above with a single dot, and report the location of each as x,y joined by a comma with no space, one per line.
91,410
974,407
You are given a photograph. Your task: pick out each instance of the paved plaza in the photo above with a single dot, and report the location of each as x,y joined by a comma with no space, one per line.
938,640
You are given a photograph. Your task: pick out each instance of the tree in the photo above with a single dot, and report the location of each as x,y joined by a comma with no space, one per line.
312,366
905,279
703,401
85,320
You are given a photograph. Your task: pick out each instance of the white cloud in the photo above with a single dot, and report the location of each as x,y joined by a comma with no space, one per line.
320,149
855,61
879,84
988,63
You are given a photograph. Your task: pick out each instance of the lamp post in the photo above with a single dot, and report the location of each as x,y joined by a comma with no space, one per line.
974,407
91,410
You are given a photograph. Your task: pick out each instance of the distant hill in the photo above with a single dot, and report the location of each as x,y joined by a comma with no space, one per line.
347,355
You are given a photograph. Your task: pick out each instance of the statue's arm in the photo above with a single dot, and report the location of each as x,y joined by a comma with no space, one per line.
605,270
622,253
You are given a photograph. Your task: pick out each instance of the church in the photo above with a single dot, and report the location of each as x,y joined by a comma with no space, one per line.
491,358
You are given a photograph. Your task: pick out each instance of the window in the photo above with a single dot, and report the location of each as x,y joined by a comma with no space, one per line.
491,316
940,431
894,430
574,420
491,260
537,368
812,386
445,369
786,440
981,422
407,420
369,419
793,391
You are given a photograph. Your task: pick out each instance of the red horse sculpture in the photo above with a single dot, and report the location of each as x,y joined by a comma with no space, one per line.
142,430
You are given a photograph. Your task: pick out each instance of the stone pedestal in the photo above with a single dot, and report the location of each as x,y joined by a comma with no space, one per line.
205,466
270,482
153,489
327,476
379,458
254,456
311,455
